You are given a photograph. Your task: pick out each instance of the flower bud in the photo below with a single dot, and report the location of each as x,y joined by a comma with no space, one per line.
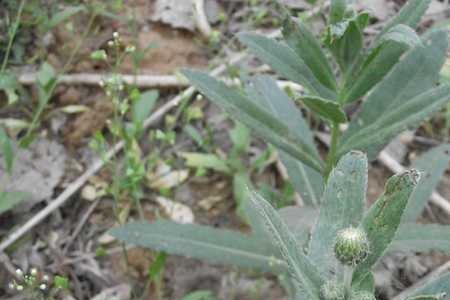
332,290
352,246
362,295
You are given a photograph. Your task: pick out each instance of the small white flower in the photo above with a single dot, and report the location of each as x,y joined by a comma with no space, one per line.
115,35
110,43
33,271
43,286
19,272
101,83
45,278
19,287
12,285
130,49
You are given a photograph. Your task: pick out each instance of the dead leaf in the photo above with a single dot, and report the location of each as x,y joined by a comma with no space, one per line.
165,178
177,212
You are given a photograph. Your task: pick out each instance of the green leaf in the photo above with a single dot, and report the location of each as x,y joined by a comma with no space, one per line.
300,221
429,297
432,166
63,15
6,150
303,272
60,282
383,218
422,238
342,206
410,15
436,285
208,161
157,266
46,76
263,124
337,10
408,115
329,110
306,46
380,61
9,84
307,181
240,136
283,60
9,199
143,106
213,245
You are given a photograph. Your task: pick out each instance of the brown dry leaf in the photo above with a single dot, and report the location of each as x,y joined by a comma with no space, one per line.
177,212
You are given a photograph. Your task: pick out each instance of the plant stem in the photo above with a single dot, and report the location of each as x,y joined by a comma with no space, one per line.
331,158
348,274
13,35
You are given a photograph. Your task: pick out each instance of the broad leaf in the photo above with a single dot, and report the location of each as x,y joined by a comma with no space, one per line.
306,46
301,270
342,206
432,166
263,123
436,285
300,221
6,150
9,199
307,181
383,218
337,11
329,110
205,160
214,245
283,60
410,14
422,238
380,61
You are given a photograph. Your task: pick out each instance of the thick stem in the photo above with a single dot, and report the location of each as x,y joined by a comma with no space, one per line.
331,158
348,274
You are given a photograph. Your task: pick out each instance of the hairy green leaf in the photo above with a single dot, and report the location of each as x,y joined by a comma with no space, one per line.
342,206
380,61
306,46
329,110
300,221
422,238
284,60
383,218
263,123
410,15
307,181
432,166
302,271
214,245
437,285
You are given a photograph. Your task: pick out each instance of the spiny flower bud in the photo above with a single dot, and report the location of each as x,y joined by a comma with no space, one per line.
332,290
352,246
362,295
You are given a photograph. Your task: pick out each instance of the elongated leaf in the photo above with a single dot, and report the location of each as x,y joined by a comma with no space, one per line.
422,238
383,218
205,160
214,245
417,72
329,110
301,269
410,14
434,285
300,221
429,297
143,106
408,115
63,15
432,166
380,61
283,60
9,199
307,181
306,46
258,119
337,10
342,206
6,150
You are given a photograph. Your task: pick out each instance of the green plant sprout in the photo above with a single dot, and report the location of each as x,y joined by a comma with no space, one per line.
329,253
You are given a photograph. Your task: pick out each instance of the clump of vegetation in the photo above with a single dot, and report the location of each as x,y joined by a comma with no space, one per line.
332,258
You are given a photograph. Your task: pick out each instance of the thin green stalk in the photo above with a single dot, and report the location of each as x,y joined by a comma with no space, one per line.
348,274
49,94
331,158
13,35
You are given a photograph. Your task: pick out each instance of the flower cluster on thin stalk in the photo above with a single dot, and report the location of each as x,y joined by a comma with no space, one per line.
33,284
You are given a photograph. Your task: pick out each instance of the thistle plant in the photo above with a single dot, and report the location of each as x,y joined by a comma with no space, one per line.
331,256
